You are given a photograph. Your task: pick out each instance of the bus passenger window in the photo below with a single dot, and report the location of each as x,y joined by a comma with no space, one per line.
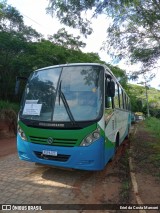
109,101
116,97
121,98
124,100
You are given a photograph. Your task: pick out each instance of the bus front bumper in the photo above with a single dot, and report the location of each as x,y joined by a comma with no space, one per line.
85,158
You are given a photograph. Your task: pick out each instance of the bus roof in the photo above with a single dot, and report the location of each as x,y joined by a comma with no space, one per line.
71,64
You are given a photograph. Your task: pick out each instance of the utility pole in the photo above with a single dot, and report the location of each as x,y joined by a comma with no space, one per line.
148,114
145,84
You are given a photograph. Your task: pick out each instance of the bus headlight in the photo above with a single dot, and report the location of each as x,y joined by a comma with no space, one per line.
88,140
91,138
21,133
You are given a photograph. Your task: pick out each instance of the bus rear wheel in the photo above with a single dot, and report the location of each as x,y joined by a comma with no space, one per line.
117,144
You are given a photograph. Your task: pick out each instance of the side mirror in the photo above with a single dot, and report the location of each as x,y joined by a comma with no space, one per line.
18,84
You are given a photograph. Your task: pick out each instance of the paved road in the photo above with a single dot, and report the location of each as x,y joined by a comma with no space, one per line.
27,183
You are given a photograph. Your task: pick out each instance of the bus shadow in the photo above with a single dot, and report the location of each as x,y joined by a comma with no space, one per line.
64,175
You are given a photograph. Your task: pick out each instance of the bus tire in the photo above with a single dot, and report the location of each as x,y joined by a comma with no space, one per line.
117,143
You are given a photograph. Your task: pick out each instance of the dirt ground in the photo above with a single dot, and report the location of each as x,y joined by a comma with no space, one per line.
8,146
7,139
113,185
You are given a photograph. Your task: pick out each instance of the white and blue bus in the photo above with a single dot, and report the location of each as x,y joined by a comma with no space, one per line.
73,116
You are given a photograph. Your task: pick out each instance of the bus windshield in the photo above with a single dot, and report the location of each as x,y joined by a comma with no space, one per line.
64,94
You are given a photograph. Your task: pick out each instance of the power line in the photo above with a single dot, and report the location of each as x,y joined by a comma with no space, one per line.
32,19
24,15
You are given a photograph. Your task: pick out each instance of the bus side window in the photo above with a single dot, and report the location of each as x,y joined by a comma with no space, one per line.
120,98
129,105
108,102
124,101
116,97
109,93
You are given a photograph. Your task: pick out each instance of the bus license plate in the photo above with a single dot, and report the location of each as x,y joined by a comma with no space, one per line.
47,152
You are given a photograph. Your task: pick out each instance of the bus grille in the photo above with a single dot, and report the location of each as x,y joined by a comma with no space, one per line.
56,141
59,157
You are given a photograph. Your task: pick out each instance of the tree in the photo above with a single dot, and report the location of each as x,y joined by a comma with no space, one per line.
69,13
72,13
11,21
14,42
64,39
23,50
120,75
10,18
133,34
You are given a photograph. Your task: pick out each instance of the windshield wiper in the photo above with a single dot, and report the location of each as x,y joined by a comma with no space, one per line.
62,96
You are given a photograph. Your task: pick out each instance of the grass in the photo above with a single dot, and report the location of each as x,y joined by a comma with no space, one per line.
146,147
153,125
125,191
125,178
9,106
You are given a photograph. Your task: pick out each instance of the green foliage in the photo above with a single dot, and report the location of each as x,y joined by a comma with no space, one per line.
66,40
120,74
146,147
12,21
154,112
23,50
6,105
72,13
153,124
133,34
10,18
69,13
14,43
138,99
125,190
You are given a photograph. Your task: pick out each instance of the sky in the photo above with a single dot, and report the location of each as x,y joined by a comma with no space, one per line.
34,15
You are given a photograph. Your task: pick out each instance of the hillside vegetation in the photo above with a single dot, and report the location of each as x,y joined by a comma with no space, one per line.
138,99
153,94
